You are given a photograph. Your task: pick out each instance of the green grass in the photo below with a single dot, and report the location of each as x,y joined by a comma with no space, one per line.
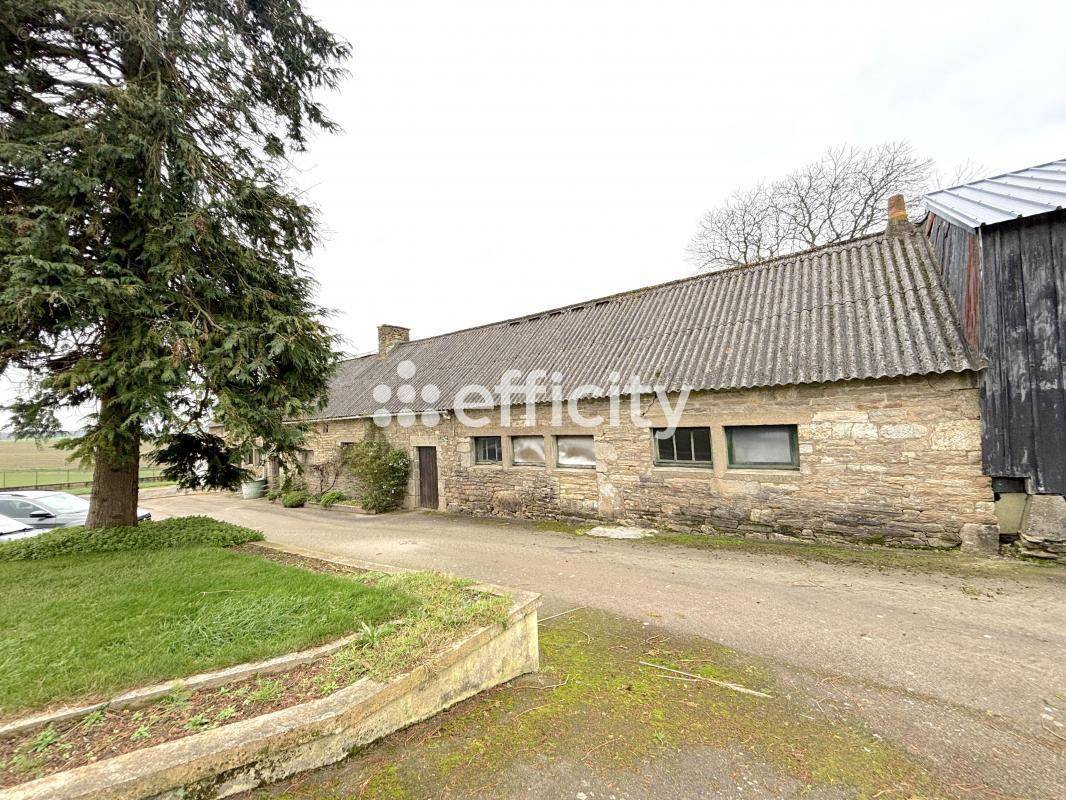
443,609
87,490
26,453
949,562
10,478
27,463
88,625
173,532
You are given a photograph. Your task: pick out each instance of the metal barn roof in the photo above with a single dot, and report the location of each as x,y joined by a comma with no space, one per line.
1014,195
872,307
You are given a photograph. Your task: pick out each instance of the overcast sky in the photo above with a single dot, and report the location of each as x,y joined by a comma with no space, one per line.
500,158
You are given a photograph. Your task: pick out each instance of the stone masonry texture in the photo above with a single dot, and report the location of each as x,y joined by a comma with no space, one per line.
894,461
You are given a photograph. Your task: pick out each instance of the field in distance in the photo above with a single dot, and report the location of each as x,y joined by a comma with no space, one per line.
28,454
24,462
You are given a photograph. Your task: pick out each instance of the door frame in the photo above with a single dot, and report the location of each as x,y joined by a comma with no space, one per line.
422,500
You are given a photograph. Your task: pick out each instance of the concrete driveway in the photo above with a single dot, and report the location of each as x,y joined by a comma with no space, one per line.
967,672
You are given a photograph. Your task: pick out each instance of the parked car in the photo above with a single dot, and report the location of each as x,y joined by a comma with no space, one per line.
41,510
11,529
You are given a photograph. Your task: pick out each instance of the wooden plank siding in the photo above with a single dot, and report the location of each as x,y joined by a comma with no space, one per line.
958,251
1017,291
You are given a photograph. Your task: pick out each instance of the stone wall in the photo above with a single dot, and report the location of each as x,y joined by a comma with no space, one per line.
891,461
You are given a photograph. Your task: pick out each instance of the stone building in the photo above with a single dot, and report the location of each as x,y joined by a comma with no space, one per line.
826,394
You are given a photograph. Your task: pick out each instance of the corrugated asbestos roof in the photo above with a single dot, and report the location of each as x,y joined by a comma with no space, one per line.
1024,193
870,308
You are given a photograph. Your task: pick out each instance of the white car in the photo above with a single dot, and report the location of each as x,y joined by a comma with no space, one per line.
42,509
11,529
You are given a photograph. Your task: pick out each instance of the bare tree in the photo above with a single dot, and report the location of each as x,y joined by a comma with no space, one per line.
841,195
325,474
963,172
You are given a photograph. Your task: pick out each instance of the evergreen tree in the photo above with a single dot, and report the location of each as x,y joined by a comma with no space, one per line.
149,243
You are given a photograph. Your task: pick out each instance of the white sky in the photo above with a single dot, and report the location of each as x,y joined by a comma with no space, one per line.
500,158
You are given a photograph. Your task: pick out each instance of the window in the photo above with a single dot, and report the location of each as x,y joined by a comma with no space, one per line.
63,503
487,450
19,509
527,450
687,447
763,447
575,451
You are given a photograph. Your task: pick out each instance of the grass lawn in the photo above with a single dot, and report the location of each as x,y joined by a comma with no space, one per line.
89,624
87,490
180,609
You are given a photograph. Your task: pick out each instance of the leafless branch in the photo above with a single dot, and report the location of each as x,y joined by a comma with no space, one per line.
841,195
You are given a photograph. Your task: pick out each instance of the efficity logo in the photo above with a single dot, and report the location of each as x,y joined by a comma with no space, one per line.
406,393
515,388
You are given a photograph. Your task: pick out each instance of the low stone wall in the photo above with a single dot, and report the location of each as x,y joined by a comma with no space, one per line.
241,756
895,461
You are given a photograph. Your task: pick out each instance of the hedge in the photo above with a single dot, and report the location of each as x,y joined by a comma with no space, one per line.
382,472
328,499
173,532
297,499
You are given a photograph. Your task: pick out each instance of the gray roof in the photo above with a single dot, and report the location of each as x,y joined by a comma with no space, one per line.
873,307
1025,193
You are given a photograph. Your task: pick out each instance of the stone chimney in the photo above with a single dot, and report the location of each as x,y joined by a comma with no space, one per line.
897,215
389,336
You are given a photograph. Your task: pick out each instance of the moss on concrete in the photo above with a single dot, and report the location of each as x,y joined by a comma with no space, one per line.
595,707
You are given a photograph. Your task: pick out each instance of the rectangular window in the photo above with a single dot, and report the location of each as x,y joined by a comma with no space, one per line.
527,450
487,450
575,451
687,447
763,446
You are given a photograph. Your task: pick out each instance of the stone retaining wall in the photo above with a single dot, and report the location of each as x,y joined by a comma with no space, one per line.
243,755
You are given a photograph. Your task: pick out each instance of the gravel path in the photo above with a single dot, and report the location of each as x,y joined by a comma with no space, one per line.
968,674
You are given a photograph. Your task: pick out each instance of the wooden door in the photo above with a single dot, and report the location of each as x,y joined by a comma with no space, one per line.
427,477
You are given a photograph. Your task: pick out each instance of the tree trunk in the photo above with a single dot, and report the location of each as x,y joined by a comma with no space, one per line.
115,477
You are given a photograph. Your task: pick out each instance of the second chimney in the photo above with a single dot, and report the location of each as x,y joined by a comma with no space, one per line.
389,336
897,214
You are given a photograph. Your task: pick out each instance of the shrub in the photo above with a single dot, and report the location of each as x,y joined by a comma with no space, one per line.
382,472
173,532
297,499
274,494
329,498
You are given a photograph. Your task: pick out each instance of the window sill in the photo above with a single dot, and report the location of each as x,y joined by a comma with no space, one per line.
692,473
779,471
585,467
682,465
528,466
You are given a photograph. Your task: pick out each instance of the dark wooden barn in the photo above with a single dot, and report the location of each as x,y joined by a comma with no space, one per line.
1002,246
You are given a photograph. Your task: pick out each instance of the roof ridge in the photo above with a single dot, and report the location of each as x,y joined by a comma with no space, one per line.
1007,174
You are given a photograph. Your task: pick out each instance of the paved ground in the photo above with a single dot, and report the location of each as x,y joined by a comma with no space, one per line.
967,674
